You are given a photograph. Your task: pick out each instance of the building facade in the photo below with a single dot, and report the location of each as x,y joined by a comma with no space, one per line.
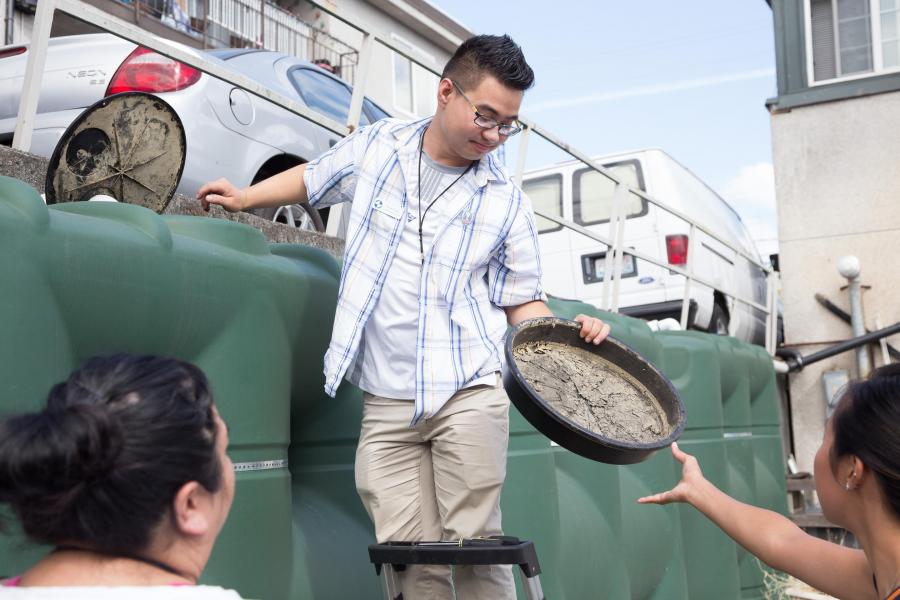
837,180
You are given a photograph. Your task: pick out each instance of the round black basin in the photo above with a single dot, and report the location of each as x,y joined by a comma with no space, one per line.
562,430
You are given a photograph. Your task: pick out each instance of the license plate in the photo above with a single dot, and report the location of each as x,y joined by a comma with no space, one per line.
598,263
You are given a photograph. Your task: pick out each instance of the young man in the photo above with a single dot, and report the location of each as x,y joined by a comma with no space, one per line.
441,255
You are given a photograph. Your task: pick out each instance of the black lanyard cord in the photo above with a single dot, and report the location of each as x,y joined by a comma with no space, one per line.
430,204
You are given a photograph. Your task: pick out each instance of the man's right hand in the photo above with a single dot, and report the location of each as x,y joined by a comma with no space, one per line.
224,193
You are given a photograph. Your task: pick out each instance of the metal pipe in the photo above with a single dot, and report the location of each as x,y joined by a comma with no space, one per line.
848,266
10,16
781,367
689,278
796,362
845,317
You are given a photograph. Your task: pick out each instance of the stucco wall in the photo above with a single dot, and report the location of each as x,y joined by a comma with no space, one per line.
837,183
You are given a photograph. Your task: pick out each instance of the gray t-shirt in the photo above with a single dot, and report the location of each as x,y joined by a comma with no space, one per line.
386,363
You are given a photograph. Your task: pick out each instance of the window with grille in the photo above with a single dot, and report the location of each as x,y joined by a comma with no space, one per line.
852,38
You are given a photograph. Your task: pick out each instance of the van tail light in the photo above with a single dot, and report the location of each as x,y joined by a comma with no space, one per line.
12,51
146,71
677,248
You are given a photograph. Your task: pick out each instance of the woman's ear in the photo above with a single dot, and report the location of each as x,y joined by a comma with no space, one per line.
857,475
191,509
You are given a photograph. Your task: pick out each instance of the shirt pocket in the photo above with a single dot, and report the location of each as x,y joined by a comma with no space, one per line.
384,216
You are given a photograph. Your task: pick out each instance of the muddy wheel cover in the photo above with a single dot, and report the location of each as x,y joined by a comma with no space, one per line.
129,146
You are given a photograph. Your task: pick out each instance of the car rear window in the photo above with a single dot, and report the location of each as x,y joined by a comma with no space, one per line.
375,112
322,93
593,192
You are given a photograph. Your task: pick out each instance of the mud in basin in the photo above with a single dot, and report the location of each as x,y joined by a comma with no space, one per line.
592,392
605,402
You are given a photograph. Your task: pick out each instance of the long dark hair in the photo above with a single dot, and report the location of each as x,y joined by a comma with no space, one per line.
866,424
496,55
101,464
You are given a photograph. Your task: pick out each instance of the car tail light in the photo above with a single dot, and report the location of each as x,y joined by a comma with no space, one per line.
146,71
677,248
12,51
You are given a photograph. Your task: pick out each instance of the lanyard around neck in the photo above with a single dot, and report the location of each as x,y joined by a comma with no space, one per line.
436,198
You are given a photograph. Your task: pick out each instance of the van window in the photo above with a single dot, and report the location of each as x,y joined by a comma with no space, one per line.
593,192
545,194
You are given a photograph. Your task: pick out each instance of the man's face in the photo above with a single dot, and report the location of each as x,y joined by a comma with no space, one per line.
494,100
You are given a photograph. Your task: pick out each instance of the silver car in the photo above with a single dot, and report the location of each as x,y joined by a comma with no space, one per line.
230,133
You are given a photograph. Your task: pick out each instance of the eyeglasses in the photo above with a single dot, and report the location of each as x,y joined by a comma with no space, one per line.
504,129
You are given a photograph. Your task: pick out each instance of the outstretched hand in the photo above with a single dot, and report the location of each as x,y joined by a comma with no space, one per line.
221,192
592,329
691,479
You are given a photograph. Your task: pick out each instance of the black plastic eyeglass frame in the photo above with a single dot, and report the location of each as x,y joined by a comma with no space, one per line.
511,130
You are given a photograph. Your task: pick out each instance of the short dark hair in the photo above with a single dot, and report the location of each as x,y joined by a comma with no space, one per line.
101,464
496,55
866,424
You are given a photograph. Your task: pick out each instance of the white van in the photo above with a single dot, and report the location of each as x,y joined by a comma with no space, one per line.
574,264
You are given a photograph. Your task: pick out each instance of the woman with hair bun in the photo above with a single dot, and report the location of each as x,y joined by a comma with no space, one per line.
125,474
857,471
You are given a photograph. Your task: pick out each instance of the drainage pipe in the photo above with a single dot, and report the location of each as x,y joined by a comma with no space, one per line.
848,266
796,362
845,317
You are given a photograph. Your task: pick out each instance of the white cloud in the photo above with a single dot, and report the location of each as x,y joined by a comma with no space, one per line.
752,193
753,189
648,90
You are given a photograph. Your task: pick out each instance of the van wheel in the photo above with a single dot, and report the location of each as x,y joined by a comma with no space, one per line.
718,323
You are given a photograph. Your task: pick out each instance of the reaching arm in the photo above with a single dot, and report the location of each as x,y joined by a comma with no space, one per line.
774,539
281,189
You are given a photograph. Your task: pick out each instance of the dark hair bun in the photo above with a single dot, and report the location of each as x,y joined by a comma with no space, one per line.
101,464
52,455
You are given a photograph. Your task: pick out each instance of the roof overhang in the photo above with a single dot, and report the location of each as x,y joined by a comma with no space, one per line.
425,18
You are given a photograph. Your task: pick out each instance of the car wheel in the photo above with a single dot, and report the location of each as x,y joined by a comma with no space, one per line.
301,215
718,323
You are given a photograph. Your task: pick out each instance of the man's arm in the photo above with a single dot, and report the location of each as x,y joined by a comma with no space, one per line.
592,329
281,189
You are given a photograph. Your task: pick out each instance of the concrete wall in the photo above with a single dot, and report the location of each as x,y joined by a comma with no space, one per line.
837,183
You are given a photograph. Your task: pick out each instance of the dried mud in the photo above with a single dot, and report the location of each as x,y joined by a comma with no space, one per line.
591,392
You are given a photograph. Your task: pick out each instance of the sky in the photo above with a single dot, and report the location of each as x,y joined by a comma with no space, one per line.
689,77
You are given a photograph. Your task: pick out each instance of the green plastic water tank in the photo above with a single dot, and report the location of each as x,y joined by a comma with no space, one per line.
654,570
741,462
85,279
591,563
765,424
691,362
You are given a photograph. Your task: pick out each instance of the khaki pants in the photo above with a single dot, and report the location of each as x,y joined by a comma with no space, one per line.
439,480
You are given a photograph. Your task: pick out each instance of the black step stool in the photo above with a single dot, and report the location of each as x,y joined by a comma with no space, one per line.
391,557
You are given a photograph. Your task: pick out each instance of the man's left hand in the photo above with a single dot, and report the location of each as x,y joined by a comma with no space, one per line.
593,330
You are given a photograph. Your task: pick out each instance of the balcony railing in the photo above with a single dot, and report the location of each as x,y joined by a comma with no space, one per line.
252,24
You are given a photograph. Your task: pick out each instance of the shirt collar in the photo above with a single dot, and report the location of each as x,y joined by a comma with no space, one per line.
407,145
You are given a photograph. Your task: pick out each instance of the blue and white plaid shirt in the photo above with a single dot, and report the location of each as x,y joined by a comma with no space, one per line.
484,257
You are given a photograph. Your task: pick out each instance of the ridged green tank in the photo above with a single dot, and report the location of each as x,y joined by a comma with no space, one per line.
94,278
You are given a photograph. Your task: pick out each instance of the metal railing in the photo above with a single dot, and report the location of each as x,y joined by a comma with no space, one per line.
615,242
250,24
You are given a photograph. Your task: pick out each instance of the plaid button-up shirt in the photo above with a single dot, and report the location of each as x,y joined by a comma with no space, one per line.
484,257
